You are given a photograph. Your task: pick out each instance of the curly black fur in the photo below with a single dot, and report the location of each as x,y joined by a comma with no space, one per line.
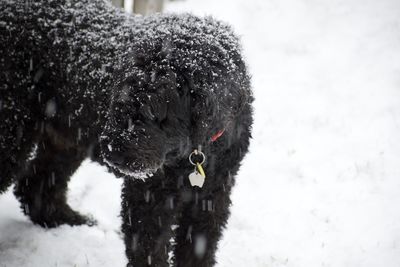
82,79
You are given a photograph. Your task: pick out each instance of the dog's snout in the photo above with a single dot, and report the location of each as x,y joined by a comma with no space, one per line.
116,159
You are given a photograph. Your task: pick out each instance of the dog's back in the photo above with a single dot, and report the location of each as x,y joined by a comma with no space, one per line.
55,74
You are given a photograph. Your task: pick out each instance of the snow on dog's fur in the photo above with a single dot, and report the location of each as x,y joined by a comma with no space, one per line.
82,79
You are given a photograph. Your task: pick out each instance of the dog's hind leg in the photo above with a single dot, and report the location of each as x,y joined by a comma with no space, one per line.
149,212
42,190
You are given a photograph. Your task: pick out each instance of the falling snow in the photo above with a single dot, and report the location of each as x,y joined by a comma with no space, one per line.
320,186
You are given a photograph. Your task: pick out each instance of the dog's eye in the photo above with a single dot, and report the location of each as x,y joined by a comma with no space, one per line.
163,123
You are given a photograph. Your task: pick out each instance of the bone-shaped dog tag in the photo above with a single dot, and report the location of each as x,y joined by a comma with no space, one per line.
196,179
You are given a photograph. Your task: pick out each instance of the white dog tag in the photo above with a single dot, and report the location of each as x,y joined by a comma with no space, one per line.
196,179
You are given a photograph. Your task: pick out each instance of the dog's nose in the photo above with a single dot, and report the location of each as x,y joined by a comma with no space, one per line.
116,159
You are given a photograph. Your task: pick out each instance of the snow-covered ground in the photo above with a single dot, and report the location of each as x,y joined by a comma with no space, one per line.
321,184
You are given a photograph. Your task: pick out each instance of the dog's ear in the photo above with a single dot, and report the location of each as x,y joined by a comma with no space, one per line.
214,110
240,97
204,111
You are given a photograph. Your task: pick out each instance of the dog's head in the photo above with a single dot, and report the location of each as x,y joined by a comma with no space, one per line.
163,105
148,123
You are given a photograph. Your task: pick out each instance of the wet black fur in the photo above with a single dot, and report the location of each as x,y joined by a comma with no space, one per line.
82,79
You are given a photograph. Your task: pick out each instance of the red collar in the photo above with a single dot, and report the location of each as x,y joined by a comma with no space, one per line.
217,135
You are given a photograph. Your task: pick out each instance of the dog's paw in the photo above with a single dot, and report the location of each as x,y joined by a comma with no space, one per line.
61,216
90,220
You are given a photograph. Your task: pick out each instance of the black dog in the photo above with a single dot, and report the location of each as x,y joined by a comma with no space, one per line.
81,79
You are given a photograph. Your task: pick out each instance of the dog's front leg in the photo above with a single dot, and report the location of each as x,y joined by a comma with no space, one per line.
202,221
148,215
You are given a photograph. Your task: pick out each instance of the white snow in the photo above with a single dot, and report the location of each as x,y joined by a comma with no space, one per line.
320,186
92,191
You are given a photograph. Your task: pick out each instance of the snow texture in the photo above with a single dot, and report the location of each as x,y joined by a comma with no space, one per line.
320,186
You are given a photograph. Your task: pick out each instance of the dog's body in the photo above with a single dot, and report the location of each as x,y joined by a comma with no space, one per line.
81,79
